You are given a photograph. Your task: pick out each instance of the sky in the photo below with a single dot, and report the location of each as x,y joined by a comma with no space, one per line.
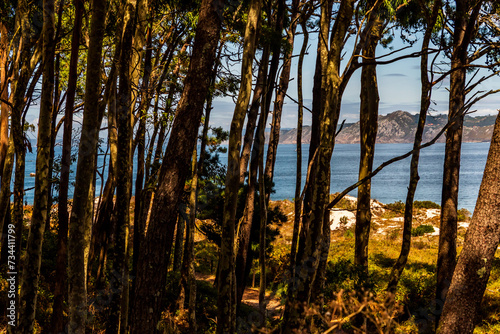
399,89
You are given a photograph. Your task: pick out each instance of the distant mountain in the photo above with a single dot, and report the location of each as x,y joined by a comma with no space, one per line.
400,126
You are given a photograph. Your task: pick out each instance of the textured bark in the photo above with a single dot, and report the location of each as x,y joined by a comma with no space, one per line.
316,244
153,257
81,214
425,100
253,113
118,316
280,99
300,120
6,180
447,253
226,285
245,227
473,269
179,243
32,260
368,124
57,321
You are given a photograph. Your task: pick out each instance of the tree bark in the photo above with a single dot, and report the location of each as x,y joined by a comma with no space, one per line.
447,252
280,99
32,261
425,100
226,284
81,214
118,317
473,269
368,123
57,321
316,244
153,257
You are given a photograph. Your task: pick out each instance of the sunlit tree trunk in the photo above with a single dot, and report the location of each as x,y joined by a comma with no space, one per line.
226,285
32,260
280,98
153,256
447,253
245,227
57,321
425,100
315,245
368,124
81,214
474,265
117,320
253,113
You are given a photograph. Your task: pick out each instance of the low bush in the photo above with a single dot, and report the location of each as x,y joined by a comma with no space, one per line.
421,230
426,205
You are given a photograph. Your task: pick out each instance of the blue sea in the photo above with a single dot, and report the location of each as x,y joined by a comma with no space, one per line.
388,186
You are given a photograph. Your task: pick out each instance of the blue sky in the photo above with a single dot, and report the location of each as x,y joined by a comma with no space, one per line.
399,89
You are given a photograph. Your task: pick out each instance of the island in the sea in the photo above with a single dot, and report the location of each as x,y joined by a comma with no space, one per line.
399,127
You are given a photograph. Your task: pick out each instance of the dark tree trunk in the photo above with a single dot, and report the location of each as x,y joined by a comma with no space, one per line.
425,100
57,321
474,265
153,257
447,253
81,214
32,260
226,276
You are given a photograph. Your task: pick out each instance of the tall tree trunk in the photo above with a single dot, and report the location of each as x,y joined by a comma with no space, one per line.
57,321
245,226
481,242
179,242
32,261
425,100
368,123
153,257
280,99
300,120
118,317
226,285
81,214
447,253
316,244
253,113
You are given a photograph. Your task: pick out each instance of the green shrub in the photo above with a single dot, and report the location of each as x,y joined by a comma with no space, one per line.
426,205
421,230
463,214
397,207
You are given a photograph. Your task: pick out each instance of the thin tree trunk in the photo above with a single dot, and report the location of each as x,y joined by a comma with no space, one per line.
316,244
245,227
447,252
298,177
81,214
153,257
368,134
481,241
253,113
226,285
280,99
57,321
425,99
32,260
118,316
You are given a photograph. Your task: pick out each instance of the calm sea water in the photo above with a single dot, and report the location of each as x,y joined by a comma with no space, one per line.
387,186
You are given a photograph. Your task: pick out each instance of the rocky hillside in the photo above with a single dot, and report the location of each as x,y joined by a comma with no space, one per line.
400,126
